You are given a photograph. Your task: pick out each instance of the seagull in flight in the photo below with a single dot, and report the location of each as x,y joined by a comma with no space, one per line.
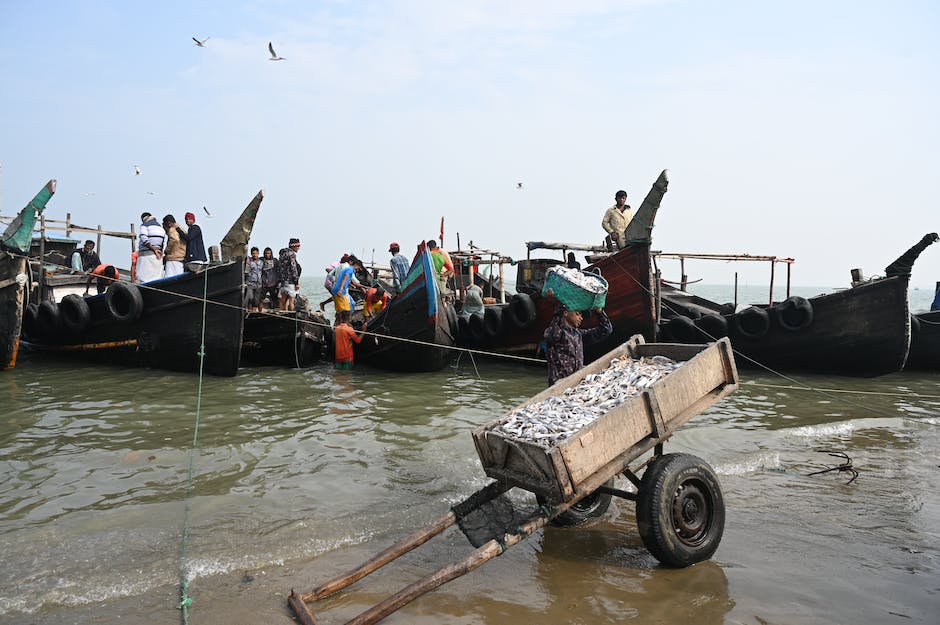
136,170
274,56
201,44
518,185
151,192
208,214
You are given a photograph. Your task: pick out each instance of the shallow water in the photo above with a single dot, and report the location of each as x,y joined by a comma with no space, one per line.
301,474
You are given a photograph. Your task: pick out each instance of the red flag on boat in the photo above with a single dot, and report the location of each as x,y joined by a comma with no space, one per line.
442,232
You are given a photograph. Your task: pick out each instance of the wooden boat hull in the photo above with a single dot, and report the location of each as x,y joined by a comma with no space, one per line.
925,342
169,330
861,331
630,305
12,300
285,338
414,332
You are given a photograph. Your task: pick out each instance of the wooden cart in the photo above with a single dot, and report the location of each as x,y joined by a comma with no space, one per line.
680,512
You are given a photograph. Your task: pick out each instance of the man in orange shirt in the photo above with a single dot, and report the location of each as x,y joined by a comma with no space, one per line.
106,274
344,336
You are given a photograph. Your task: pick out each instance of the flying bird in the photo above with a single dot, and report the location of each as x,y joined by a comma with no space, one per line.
89,193
136,170
274,56
518,185
151,192
208,214
201,44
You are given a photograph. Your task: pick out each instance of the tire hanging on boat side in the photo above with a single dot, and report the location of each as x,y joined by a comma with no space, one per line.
793,313
492,321
475,325
125,301
520,313
751,323
48,320
29,321
712,327
682,329
74,313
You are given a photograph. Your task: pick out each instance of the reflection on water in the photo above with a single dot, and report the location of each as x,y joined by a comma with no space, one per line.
300,474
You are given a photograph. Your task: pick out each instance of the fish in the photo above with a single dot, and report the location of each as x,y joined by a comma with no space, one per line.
555,419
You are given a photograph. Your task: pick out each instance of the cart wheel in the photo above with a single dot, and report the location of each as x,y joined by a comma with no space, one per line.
680,511
591,507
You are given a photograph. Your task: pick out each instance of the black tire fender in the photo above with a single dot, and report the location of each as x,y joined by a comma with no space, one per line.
463,330
125,301
521,311
590,507
680,510
713,327
751,323
475,325
48,319
682,329
915,327
794,313
29,320
75,314
452,321
492,321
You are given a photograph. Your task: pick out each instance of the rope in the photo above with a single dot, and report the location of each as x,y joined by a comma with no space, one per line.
185,599
837,390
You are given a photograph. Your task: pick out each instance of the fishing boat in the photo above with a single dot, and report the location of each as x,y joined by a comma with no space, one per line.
925,342
286,338
417,329
191,322
516,325
14,274
864,330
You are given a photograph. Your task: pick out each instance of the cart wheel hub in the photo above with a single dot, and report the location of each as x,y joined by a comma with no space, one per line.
690,513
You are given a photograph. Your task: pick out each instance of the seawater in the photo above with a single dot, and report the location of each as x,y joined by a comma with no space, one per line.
298,475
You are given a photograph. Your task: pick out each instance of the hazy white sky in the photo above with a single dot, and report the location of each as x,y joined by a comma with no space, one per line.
803,129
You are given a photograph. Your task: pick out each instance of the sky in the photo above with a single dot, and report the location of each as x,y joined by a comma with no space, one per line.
795,129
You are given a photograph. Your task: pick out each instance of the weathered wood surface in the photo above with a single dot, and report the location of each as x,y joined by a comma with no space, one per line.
616,438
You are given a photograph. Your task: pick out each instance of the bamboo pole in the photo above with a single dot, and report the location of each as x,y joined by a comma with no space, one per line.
379,560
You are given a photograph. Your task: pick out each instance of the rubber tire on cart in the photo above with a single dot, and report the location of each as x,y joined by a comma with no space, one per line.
793,313
125,302
74,313
751,323
680,511
591,507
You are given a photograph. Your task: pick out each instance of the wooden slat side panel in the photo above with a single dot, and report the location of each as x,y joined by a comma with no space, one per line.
606,439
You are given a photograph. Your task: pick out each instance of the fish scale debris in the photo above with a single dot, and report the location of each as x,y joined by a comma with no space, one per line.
554,419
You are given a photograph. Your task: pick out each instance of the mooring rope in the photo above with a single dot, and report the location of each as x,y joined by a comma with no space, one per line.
185,599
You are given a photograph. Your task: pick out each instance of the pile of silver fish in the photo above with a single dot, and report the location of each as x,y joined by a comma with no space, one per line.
554,419
585,281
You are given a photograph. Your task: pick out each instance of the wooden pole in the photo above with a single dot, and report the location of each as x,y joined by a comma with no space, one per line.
68,224
379,560
735,290
42,256
773,267
502,285
789,266
99,238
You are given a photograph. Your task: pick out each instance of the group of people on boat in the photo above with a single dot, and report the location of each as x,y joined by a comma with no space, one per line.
275,281
167,250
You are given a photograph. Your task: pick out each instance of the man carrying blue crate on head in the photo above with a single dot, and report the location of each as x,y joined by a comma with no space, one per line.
564,339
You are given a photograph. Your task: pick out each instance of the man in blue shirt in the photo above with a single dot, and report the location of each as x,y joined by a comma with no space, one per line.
195,247
400,267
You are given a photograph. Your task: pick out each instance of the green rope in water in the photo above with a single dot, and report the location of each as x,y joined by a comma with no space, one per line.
185,599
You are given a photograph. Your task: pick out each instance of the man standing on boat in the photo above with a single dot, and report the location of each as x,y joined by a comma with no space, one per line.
150,249
443,266
617,218
195,247
400,267
288,274
175,251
